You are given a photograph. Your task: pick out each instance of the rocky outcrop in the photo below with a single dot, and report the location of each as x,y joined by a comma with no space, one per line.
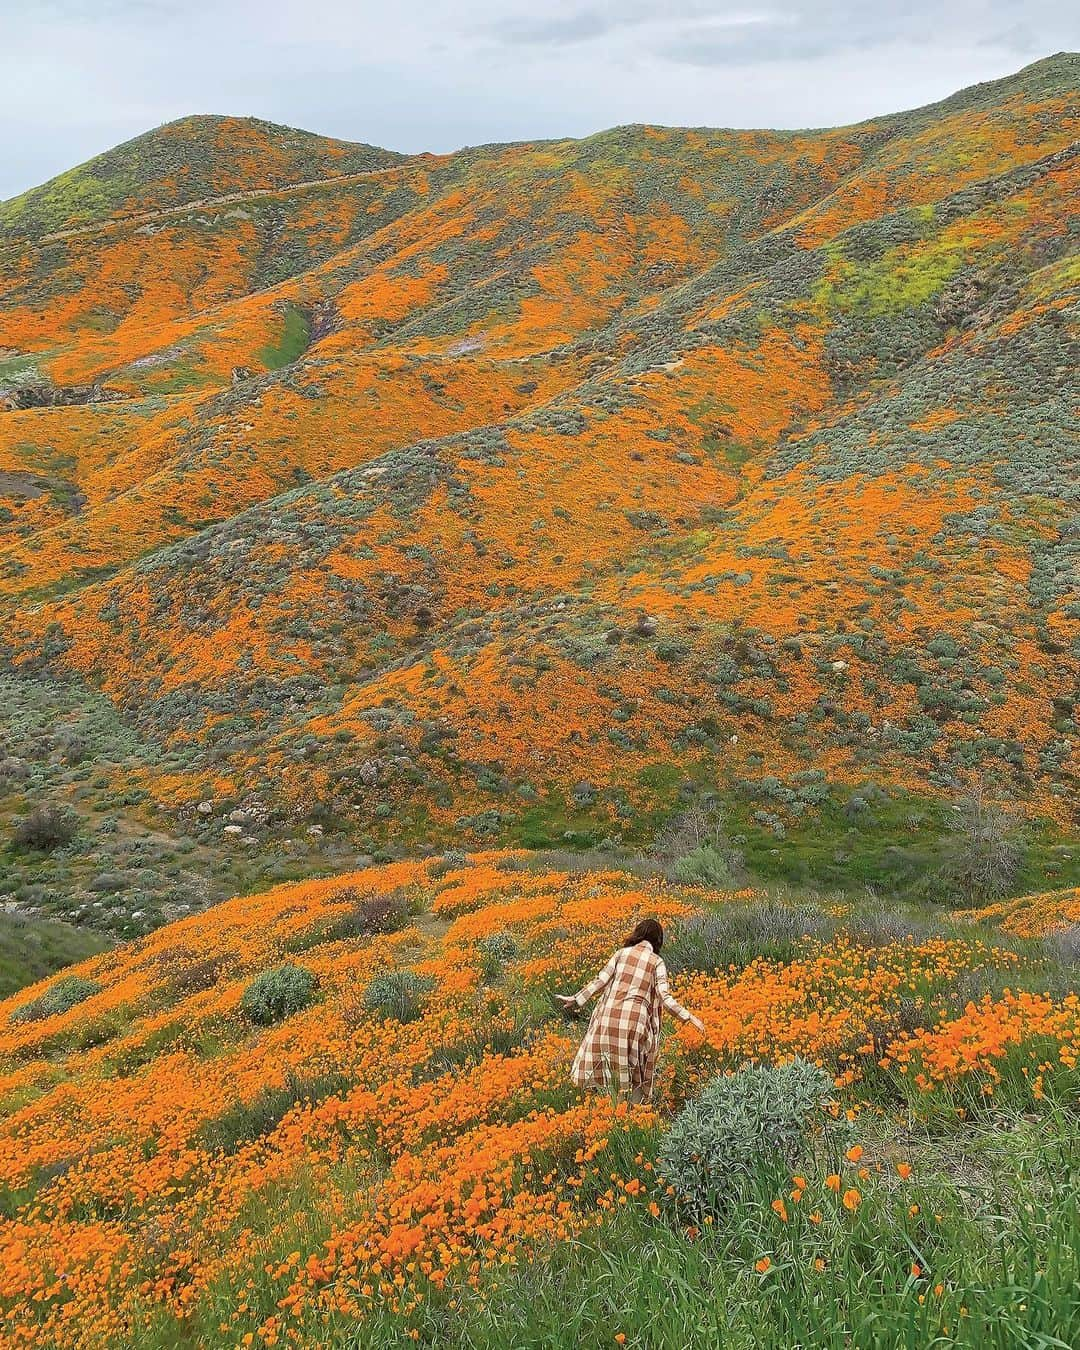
57,396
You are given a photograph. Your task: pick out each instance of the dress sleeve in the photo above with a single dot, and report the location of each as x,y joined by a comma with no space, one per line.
596,983
670,1003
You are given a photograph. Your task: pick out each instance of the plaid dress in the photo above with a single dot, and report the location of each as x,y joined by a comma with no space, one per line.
620,1047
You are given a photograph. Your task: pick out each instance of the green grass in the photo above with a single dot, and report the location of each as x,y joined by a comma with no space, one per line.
31,949
294,340
991,1219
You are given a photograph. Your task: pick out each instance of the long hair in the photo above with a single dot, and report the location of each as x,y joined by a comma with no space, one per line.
648,930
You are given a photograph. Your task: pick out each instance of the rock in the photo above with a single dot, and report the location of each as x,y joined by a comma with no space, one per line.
54,396
315,831
646,625
240,373
238,816
205,808
368,772
233,830
838,666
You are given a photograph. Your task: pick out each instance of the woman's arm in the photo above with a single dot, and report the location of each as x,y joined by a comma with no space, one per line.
671,1003
593,987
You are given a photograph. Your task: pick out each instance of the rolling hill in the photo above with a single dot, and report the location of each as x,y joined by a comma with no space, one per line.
358,501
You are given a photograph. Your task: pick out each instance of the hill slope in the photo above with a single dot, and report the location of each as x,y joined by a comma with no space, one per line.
402,1156
530,491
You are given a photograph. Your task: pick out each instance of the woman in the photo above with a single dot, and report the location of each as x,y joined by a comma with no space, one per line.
620,1047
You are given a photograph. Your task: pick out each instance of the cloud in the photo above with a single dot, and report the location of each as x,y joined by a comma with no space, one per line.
77,76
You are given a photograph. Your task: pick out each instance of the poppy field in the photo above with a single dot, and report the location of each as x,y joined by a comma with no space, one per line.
397,1156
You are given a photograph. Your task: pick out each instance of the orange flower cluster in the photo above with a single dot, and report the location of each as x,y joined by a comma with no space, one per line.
1045,1032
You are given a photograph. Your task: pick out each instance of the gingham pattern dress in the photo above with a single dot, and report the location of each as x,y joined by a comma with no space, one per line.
620,1047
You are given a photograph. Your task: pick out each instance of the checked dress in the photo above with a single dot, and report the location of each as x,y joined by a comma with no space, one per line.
620,1047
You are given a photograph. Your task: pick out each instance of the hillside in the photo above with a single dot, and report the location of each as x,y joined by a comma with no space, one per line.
397,1155
355,502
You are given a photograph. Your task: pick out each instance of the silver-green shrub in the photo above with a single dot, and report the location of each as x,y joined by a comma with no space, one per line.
398,994
276,994
758,1117
65,993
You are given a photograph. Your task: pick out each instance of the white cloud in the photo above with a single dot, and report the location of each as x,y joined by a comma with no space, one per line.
79,75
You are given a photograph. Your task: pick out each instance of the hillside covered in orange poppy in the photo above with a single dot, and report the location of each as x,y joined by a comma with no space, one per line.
359,501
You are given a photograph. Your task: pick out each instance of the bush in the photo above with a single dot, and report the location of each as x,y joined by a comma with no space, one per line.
367,916
276,994
738,934
58,998
496,949
398,994
48,826
704,867
698,839
984,851
1064,945
755,1118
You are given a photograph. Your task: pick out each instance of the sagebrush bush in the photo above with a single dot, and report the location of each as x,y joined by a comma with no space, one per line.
58,998
496,949
47,826
367,915
1065,944
398,994
758,1117
735,935
276,994
705,866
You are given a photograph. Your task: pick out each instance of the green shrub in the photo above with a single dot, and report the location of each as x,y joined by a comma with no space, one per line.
276,994
753,1119
705,866
398,994
58,998
496,949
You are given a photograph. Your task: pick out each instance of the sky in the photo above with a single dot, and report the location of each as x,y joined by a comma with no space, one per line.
78,76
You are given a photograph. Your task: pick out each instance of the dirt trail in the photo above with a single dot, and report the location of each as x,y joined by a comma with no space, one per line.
201,203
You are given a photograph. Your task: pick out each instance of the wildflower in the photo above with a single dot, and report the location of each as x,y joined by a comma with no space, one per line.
781,1209
854,1153
763,1265
851,1199
903,1171
833,1181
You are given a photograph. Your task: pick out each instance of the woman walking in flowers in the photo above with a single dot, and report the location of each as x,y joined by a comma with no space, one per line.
621,1045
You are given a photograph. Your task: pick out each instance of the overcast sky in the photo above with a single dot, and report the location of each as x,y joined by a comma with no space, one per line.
77,76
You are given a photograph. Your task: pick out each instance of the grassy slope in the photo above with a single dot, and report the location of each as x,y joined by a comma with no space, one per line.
31,950
344,1180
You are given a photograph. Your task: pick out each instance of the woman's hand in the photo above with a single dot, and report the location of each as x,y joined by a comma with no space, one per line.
567,1000
697,1023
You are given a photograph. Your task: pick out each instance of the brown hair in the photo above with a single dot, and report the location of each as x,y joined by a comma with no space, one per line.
648,930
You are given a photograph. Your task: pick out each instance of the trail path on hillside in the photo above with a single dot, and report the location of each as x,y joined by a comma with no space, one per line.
199,204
